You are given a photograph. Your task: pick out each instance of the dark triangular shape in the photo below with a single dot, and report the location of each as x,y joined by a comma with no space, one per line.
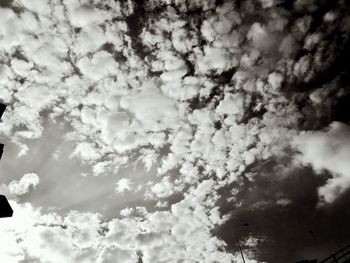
5,208
2,109
1,149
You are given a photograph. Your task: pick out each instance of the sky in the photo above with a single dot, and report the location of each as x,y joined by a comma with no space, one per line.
174,130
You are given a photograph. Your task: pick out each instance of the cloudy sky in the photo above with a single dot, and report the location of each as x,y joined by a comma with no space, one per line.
153,131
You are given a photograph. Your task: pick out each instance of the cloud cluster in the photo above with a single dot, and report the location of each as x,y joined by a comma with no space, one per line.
199,91
328,150
183,233
24,185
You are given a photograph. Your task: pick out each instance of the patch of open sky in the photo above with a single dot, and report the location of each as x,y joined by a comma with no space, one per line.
66,183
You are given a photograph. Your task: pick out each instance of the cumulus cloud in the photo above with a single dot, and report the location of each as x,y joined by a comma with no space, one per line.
328,150
123,185
24,185
87,237
195,90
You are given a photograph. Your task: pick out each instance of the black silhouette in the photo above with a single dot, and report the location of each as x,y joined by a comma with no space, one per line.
5,208
2,109
1,149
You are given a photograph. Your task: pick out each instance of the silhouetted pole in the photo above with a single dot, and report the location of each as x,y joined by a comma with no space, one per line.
239,244
240,249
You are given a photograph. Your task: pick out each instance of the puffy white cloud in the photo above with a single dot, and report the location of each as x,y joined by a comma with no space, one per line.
24,185
100,65
110,254
267,3
86,152
260,37
11,32
231,104
328,150
85,14
163,189
275,80
40,6
89,39
151,108
179,234
124,184
215,59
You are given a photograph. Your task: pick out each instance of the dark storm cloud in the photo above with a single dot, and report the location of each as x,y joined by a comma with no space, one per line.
283,213
296,227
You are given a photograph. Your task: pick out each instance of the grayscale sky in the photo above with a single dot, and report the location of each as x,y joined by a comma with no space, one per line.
156,131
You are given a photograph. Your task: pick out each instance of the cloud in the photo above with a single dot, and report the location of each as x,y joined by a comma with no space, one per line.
231,104
123,185
109,254
24,185
85,14
260,37
328,150
86,152
179,234
198,91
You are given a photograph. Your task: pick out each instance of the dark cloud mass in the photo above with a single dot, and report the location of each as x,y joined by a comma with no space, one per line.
175,130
